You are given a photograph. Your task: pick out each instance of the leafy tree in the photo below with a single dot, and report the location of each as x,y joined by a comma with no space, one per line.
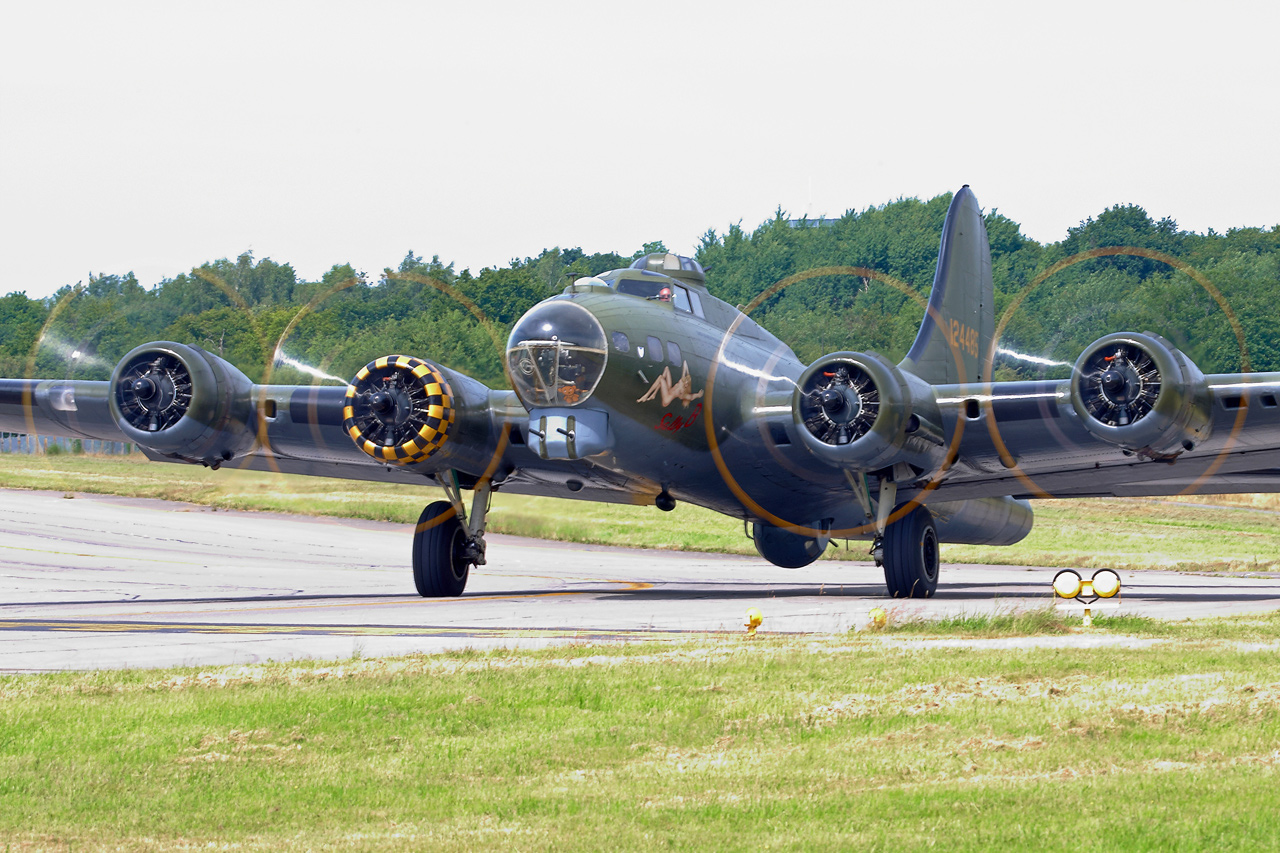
242,308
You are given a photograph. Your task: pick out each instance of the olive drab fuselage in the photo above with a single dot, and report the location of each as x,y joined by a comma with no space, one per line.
683,375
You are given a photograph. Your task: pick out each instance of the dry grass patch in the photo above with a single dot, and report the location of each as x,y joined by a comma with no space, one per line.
236,745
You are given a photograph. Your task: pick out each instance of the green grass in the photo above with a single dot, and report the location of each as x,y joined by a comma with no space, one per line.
1049,620
1146,735
1015,623
859,742
1204,534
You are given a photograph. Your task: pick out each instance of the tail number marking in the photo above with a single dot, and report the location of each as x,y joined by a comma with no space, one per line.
964,338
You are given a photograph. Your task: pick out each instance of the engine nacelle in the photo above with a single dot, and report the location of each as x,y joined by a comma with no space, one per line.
1140,393
183,402
399,409
856,410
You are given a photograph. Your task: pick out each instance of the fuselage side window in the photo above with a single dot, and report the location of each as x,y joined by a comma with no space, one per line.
654,346
620,342
673,352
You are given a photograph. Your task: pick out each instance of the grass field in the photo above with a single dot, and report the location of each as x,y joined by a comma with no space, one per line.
1238,533
1168,741
1016,731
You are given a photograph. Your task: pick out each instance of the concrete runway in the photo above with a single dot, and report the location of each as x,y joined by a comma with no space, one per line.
96,582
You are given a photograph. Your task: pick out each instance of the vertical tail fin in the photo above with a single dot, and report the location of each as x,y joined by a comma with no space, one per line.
951,346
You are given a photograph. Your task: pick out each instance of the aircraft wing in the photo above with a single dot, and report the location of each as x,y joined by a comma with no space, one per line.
179,403
1212,434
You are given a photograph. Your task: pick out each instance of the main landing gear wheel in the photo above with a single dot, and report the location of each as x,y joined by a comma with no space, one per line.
911,556
442,558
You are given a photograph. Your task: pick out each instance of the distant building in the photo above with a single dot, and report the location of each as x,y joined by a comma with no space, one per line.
820,222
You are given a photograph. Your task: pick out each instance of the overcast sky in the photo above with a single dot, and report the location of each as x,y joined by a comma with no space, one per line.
155,136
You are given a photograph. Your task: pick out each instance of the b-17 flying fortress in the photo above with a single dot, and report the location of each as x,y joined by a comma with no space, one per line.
639,386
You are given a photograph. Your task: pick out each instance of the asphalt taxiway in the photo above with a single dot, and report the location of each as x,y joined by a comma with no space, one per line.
93,581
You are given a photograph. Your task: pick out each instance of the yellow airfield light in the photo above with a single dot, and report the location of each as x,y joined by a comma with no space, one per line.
1067,583
879,617
1106,583
754,618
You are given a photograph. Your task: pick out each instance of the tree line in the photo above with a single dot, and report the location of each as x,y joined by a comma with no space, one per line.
1217,294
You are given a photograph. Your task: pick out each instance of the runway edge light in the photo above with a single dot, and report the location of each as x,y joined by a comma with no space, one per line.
754,618
1067,584
1106,583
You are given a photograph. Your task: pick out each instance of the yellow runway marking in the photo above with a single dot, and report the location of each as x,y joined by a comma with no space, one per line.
100,627
284,603
627,586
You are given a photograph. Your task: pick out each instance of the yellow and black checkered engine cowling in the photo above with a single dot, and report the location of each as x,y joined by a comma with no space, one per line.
399,409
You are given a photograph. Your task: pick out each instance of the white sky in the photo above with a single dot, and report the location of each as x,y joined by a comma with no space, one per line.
155,136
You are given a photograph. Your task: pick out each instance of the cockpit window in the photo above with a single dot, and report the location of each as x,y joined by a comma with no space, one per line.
660,290
556,354
680,298
647,288
697,303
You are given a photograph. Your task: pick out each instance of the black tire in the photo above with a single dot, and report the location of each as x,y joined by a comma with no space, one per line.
440,567
911,558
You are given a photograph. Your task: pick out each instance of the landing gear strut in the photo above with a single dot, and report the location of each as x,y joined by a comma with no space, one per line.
907,548
446,544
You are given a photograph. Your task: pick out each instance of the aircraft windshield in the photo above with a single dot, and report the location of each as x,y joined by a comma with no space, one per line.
660,289
556,354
